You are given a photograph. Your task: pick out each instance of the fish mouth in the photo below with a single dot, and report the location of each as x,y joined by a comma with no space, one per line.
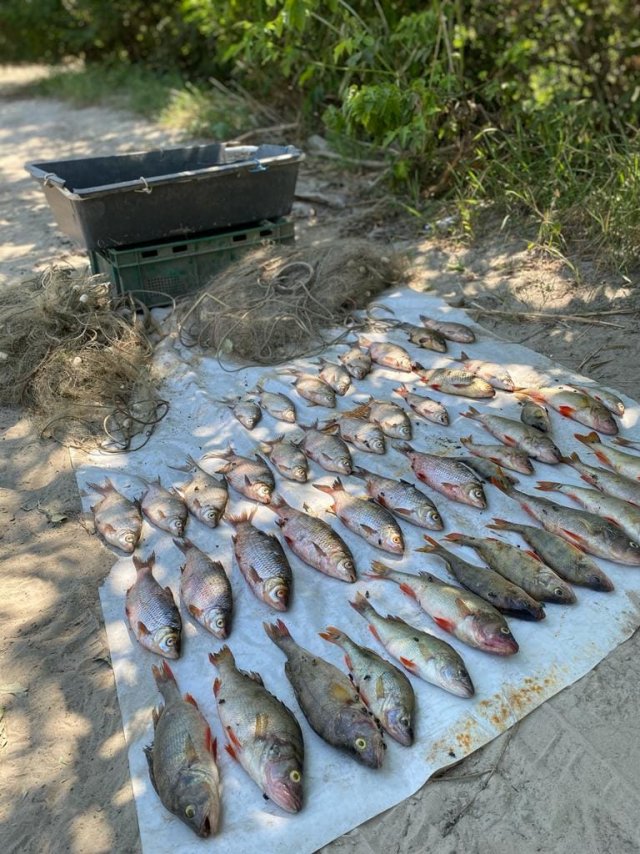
462,687
501,645
286,798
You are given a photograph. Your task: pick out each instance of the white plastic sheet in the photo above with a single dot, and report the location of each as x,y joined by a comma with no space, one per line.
340,794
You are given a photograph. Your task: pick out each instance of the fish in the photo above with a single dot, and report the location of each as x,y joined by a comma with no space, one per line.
151,611
314,390
423,337
247,412
365,518
315,542
425,407
487,470
205,496
446,475
164,508
503,456
568,561
117,519
389,355
421,653
363,434
507,597
535,415
357,362
587,531
575,405
534,443
461,613
383,688
336,376
390,418
329,701
287,458
494,374
276,404
326,449
182,758
620,461
402,499
607,398
452,331
251,478
205,590
262,562
457,382
263,735
611,483
621,513
524,569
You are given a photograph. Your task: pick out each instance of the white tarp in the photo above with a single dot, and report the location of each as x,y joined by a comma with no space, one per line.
340,794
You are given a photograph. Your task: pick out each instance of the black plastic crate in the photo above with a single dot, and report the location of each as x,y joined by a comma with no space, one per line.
157,272
128,199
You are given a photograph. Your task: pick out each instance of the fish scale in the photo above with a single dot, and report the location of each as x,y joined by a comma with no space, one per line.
327,449
403,499
446,475
165,509
151,611
205,589
262,562
288,458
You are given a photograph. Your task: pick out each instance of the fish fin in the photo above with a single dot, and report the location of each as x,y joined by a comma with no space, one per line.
211,743
402,511
277,631
190,752
455,537
255,677
533,554
463,357
148,752
147,564
434,545
246,516
379,688
501,485
144,631
509,440
184,545
195,611
233,737
105,489
360,604
379,570
406,588
590,438
189,698
409,664
348,662
223,654
603,457
319,550
261,725
231,752
217,684
332,634
253,576
336,486
502,525
548,486
472,412
340,693
566,410
402,391
368,529
575,538
374,632
156,711
447,625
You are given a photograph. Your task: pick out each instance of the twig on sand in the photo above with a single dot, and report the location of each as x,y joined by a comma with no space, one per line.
586,317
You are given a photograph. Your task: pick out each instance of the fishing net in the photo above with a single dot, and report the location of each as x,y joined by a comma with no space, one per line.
278,303
79,360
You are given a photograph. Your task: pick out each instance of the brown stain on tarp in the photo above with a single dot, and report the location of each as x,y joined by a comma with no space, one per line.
512,704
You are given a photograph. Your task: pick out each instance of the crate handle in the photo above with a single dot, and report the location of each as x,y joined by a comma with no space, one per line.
53,180
145,186
259,167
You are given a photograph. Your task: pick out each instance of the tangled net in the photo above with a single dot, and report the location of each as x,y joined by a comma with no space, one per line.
275,303
79,360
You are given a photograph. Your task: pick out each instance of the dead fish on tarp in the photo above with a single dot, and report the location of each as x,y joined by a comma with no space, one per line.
421,653
182,758
164,508
535,415
402,499
329,701
205,590
587,531
287,457
621,513
357,362
276,404
453,331
251,478
247,412
425,407
534,443
457,381
494,374
613,403
461,613
487,470
611,483
390,418
205,495
262,562
503,456
314,390
117,519
423,337
365,518
570,562
384,689
315,542
326,449
264,736
575,405
488,584
363,434
620,461
152,613
523,569
337,376
447,476
389,355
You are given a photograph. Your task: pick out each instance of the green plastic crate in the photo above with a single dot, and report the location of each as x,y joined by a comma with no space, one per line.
155,273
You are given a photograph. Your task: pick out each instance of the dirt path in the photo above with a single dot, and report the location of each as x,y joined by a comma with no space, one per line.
566,779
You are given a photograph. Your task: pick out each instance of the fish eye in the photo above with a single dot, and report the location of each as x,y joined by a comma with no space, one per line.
347,564
395,538
190,811
505,630
360,743
558,591
220,623
477,493
170,641
295,776
281,593
404,721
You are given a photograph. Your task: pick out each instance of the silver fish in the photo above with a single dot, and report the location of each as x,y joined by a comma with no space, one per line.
314,390
247,412
457,381
389,355
576,405
453,331
152,612
447,476
117,519
357,362
205,590
514,433
423,337
276,404
252,478
205,495
425,407
613,403
337,376
287,457
402,499
503,456
363,434
494,374
165,509
327,449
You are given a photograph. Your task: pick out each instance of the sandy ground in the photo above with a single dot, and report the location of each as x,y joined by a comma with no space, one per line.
565,779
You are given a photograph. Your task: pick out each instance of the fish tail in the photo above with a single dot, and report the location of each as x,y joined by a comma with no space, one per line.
548,486
402,390
361,411
103,489
463,357
361,605
503,486
144,565
434,546
503,525
403,447
379,570
330,426
626,443
590,439
165,680
456,537
239,518
184,545
473,413
278,633
467,440
224,654
333,635
336,486
360,473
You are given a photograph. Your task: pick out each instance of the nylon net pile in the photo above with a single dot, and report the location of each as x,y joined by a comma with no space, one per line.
79,360
278,303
